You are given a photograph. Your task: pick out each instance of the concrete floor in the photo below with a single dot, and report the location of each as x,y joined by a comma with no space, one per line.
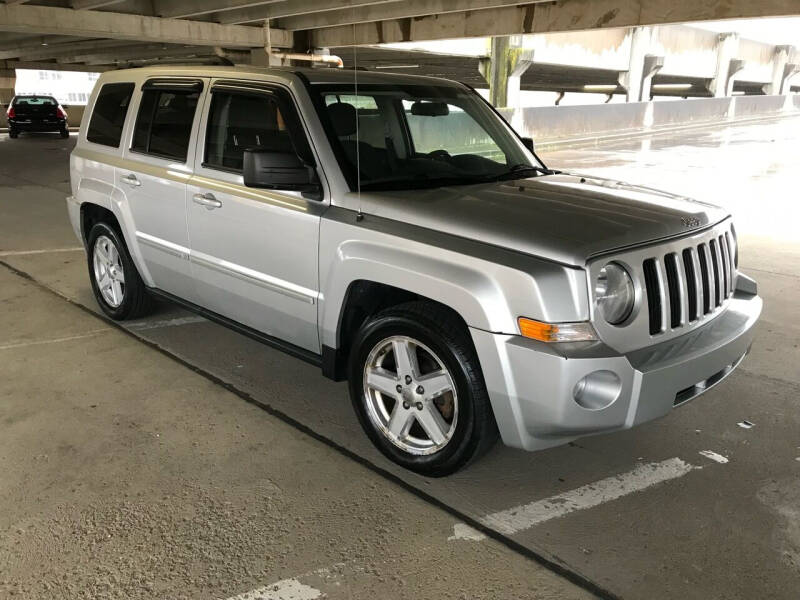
127,473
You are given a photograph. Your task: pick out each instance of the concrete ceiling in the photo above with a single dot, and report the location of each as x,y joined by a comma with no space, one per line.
109,33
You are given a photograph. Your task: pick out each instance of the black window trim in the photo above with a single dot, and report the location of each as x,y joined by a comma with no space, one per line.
160,84
283,99
127,110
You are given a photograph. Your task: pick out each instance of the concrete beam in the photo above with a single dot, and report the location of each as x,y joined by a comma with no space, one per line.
289,8
394,10
50,51
93,4
180,9
96,24
53,66
35,42
565,15
137,53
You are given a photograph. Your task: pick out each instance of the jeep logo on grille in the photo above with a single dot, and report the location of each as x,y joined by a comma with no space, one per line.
690,221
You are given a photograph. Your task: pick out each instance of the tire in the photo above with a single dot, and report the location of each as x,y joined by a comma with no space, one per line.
108,254
13,134
64,133
442,348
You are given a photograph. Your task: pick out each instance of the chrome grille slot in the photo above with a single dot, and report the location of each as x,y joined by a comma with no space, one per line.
715,272
702,251
655,294
676,293
723,250
691,283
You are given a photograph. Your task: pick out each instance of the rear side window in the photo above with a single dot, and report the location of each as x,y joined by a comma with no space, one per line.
109,114
240,121
164,123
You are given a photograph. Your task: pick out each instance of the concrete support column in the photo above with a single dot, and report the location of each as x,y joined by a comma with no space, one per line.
652,65
8,81
503,70
642,66
734,67
727,50
780,73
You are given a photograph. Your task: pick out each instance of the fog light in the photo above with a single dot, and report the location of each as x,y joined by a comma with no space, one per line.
597,390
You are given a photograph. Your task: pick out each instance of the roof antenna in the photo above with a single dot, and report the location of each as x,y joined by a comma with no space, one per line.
359,214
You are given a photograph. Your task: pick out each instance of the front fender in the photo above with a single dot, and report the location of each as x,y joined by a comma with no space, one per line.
488,287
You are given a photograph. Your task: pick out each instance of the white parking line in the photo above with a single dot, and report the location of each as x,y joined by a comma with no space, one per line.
714,456
462,531
52,340
642,477
143,326
285,589
45,251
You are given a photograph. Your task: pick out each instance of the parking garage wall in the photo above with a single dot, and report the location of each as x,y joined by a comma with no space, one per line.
556,125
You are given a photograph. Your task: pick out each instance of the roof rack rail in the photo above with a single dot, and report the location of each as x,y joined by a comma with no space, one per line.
204,60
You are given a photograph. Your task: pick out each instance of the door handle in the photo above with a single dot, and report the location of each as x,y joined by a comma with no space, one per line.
131,180
207,200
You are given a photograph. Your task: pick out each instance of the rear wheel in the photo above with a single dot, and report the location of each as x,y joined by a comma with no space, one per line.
13,134
64,133
116,283
418,390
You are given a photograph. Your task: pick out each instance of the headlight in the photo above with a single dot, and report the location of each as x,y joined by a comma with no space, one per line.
614,293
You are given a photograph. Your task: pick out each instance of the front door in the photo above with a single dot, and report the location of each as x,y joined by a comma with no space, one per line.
253,251
158,163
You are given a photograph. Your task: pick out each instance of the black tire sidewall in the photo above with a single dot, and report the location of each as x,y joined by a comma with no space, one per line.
461,446
131,274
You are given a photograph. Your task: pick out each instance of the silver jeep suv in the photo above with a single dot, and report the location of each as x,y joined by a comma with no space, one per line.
398,233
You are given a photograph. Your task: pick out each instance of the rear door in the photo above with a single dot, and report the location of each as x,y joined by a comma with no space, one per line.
254,251
157,164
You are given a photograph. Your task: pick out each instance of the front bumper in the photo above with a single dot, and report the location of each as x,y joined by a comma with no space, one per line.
532,384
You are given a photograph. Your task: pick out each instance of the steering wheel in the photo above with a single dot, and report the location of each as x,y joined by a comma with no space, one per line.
440,154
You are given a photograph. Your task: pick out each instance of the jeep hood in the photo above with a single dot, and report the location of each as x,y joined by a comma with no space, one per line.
567,218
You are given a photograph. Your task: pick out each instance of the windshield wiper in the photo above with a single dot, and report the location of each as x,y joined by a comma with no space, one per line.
517,170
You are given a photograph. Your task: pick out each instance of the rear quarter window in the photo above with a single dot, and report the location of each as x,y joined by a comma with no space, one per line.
108,116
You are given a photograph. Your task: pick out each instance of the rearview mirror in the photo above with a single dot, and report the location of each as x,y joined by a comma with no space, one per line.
430,109
528,143
272,170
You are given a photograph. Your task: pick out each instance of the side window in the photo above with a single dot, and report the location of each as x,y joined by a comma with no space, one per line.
108,116
237,122
164,123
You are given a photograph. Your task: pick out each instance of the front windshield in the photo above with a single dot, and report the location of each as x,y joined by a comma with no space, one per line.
412,136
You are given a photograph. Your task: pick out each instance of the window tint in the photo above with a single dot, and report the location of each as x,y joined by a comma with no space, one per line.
164,123
237,122
109,114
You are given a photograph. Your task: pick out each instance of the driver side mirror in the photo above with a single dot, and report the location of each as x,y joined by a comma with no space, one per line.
528,143
273,170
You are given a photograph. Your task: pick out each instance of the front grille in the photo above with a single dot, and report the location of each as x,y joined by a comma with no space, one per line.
686,285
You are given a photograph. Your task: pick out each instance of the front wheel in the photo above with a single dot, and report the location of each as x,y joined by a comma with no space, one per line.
418,390
116,283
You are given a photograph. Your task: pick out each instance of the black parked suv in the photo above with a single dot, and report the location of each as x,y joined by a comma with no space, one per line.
36,113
